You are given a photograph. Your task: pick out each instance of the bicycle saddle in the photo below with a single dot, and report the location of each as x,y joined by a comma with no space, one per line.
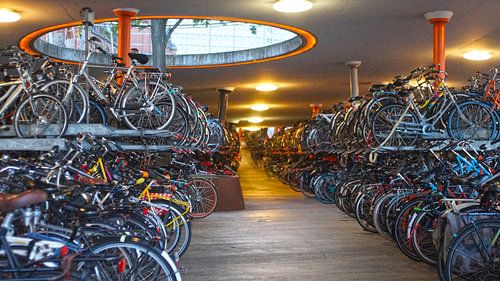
427,177
478,182
460,179
356,98
377,87
154,70
9,202
140,58
401,81
403,94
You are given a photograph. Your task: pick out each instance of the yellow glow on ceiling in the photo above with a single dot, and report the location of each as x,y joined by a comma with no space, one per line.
252,129
292,6
256,120
260,107
266,87
8,15
477,55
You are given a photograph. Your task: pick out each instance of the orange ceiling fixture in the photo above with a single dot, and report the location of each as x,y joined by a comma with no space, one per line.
308,39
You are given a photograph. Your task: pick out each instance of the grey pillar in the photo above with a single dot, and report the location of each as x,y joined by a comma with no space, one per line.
223,101
354,65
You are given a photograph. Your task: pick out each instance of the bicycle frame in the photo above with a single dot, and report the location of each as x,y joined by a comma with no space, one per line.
15,90
491,91
83,72
427,123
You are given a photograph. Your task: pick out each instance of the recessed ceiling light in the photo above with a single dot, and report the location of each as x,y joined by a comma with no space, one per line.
260,107
256,120
7,15
251,129
266,87
477,55
292,6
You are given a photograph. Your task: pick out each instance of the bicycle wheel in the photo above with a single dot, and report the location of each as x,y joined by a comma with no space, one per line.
177,224
149,106
126,259
97,115
473,121
421,237
402,228
216,135
40,116
203,197
305,178
363,213
324,188
75,102
384,121
379,215
475,253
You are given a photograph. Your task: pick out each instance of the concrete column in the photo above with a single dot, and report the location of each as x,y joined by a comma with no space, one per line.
223,102
354,65
439,19
124,26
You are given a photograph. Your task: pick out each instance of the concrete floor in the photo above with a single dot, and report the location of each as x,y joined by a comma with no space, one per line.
283,236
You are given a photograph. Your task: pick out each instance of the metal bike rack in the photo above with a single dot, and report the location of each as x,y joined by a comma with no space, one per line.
97,130
438,147
10,142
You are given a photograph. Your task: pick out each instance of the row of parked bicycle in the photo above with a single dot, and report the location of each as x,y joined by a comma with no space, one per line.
98,208
41,97
439,207
406,113
96,212
435,192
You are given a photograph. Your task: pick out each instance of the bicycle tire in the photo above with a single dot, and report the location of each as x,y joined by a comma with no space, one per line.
21,116
128,250
453,259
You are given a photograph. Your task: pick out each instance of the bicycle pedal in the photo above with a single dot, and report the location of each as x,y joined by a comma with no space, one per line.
183,269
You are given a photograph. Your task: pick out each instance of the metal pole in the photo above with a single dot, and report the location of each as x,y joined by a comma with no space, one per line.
87,20
223,102
354,65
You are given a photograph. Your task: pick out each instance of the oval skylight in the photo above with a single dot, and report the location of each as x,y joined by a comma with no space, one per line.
194,42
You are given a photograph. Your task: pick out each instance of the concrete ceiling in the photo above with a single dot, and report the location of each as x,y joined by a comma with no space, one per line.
389,37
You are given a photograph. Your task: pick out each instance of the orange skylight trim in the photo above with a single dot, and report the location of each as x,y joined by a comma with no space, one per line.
309,40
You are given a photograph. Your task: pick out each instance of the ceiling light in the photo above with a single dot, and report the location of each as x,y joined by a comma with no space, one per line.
292,6
266,87
251,129
477,55
7,15
256,120
260,107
